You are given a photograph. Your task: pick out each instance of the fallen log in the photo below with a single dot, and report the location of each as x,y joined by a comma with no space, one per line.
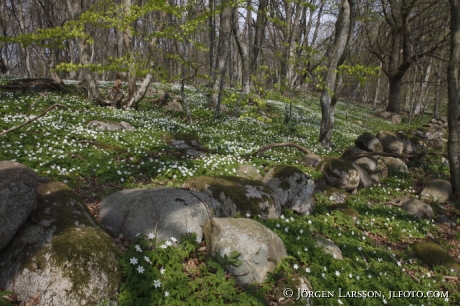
34,85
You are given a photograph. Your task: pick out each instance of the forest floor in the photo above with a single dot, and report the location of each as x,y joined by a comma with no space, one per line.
376,247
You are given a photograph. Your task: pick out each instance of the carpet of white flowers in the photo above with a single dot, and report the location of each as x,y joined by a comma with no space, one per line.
374,241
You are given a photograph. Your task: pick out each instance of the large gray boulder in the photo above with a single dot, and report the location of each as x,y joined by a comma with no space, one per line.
374,167
439,190
329,247
392,117
395,165
110,126
413,207
18,198
341,173
248,171
390,142
260,248
238,196
368,142
60,255
293,187
380,172
365,181
409,147
189,143
335,196
174,106
165,212
311,160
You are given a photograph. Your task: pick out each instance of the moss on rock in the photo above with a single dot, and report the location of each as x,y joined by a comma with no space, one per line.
62,245
341,173
434,255
190,139
284,172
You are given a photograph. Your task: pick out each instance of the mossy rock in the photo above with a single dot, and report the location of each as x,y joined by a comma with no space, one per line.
346,210
61,245
191,140
434,255
293,187
283,173
248,171
341,173
335,195
190,143
239,195
368,142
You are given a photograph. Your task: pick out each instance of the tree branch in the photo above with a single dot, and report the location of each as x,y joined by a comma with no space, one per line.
262,150
31,120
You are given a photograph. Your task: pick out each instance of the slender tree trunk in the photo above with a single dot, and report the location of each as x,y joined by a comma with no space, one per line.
377,86
259,34
424,88
212,38
453,91
224,42
85,59
182,83
127,44
73,57
438,91
342,29
3,62
243,51
137,97
75,9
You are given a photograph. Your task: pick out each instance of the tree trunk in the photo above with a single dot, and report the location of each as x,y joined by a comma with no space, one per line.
75,9
438,91
424,88
127,45
259,34
452,117
394,103
224,42
243,51
73,57
133,102
212,38
342,30
93,91
377,86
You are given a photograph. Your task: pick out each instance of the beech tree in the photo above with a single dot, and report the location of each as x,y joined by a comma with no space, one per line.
453,91
343,28
400,32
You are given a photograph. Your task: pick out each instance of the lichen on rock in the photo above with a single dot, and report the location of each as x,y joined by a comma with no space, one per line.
239,195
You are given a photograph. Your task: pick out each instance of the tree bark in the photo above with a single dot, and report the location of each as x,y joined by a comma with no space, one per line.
342,29
75,9
243,51
127,45
377,86
453,92
134,101
224,42
394,96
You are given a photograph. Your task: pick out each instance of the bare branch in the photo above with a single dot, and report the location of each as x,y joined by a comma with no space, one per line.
262,150
31,120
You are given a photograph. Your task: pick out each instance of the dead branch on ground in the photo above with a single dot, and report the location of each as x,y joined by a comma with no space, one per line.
264,149
31,120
